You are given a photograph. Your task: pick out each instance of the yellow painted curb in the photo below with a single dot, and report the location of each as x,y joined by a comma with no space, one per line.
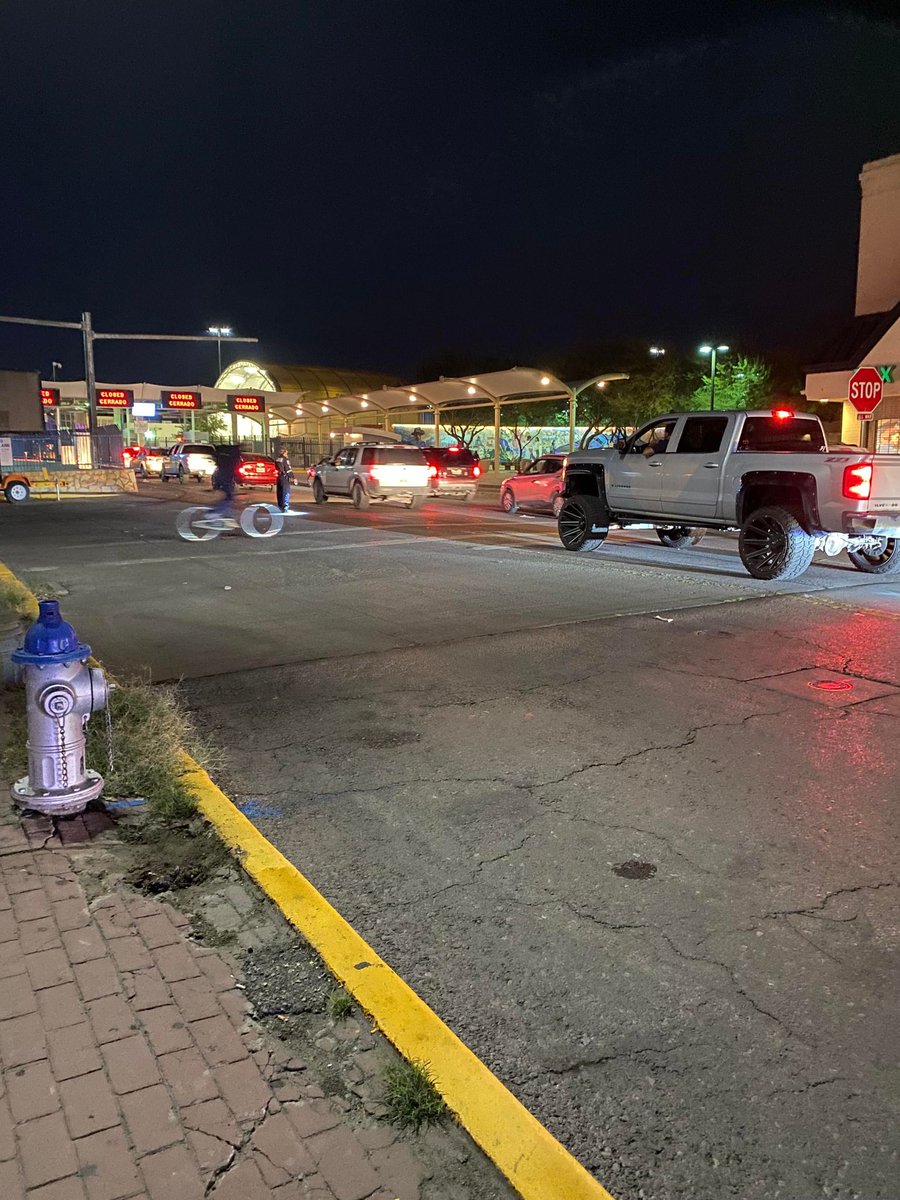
533,1161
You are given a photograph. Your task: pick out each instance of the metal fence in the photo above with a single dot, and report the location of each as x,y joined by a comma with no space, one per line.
62,451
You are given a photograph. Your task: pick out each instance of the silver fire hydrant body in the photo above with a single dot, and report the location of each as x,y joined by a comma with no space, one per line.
61,692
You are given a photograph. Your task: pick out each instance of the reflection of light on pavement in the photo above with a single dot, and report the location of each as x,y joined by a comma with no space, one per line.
849,756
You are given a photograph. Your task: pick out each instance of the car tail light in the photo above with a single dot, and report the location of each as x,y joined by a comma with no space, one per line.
476,470
858,481
432,471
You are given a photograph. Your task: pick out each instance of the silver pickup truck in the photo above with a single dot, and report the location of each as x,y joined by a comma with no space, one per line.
769,475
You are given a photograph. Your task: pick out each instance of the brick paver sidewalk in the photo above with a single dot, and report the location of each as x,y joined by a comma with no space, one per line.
129,1068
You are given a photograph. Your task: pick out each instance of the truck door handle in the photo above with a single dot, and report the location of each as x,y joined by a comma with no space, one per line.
711,466
655,462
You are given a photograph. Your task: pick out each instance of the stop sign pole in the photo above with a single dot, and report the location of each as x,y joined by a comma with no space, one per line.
865,392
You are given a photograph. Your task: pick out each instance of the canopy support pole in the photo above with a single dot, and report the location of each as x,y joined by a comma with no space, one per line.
572,406
497,435
437,427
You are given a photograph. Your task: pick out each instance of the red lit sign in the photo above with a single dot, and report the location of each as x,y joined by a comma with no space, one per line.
50,397
180,400
865,391
246,402
115,397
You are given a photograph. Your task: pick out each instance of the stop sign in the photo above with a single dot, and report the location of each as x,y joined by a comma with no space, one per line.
865,391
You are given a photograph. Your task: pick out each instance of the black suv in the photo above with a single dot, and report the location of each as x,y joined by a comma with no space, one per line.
455,471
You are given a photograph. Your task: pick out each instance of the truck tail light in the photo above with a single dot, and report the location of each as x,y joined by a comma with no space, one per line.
432,471
858,481
476,470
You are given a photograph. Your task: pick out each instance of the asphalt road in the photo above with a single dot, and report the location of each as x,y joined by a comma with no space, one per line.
589,806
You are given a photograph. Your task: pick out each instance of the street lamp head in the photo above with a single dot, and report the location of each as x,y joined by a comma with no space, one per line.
601,383
656,351
706,349
722,349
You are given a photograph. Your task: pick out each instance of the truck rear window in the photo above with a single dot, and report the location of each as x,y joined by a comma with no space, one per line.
792,434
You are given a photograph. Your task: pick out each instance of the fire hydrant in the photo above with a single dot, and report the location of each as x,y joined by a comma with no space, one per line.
61,692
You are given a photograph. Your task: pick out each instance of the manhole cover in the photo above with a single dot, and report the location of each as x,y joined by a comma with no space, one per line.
826,687
635,870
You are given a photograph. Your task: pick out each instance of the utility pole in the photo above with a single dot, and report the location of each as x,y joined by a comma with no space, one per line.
89,335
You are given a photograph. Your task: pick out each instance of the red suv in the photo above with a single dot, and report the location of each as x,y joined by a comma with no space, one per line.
455,471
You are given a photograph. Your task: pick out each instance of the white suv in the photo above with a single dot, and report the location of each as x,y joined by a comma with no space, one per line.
373,471
189,458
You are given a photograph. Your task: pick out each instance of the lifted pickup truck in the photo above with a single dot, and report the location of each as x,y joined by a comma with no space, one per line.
769,475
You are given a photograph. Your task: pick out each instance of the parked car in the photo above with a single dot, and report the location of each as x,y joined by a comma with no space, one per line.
373,471
538,486
254,470
129,454
189,458
149,461
455,471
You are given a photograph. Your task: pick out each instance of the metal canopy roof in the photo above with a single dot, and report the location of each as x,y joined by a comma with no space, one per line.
518,384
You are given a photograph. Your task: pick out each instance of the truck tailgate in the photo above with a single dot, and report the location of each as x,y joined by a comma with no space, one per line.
885,493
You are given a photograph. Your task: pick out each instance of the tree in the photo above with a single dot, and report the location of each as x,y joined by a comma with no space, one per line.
740,383
464,424
523,421
652,388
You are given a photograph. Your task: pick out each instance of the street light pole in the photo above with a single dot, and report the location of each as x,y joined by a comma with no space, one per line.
598,381
713,352
220,331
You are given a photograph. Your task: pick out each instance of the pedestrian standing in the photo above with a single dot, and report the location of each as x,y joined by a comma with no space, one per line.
285,479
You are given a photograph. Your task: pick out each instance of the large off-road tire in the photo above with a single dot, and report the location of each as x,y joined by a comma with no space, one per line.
774,545
360,496
583,523
319,493
556,504
884,560
508,501
676,537
17,492
415,502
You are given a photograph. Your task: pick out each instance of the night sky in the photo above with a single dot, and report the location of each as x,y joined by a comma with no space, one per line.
367,184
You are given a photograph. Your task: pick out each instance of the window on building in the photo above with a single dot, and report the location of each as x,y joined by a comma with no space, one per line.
887,436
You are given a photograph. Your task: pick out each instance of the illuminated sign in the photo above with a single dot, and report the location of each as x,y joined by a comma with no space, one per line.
181,400
143,408
246,402
50,397
115,397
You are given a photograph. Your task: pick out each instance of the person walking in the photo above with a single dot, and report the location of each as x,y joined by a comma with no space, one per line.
285,479
227,460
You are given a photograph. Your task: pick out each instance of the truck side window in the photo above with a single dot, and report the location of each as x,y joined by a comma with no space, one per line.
702,435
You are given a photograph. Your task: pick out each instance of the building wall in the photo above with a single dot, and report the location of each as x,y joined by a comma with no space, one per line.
878,270
20,401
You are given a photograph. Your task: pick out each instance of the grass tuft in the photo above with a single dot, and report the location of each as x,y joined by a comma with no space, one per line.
340,1004
149,729
16,596
410,1096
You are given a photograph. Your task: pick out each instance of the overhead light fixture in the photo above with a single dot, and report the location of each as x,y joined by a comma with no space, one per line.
365,395
545,379
324,408
601,383
471,391
364,403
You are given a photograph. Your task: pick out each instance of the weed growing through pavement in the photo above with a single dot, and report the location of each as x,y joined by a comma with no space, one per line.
16,596
410,1096
340,1004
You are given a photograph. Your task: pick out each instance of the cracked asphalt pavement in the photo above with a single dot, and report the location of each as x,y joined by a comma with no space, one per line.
470,731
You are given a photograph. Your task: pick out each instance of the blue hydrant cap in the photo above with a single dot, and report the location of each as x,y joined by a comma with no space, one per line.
51,639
